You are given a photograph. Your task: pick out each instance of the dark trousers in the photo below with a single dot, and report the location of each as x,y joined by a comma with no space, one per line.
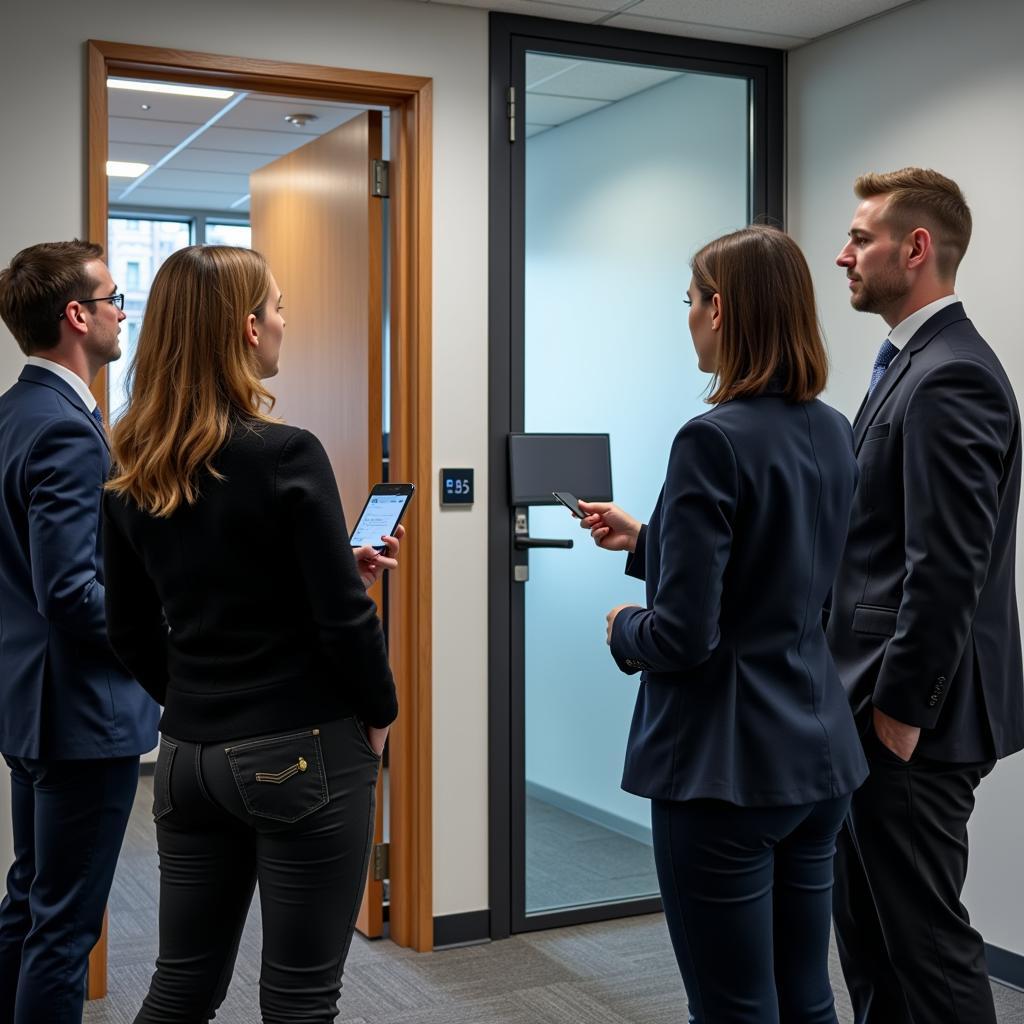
748,898
69,818
909,953
293,813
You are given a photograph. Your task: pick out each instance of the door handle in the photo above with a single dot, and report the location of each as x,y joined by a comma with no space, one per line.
524,543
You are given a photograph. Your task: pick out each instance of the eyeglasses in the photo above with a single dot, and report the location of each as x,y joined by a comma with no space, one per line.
115,300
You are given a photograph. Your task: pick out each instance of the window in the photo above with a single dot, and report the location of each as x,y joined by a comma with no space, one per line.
135,250
222,233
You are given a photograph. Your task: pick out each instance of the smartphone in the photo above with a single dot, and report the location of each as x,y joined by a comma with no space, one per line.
381,514
571,502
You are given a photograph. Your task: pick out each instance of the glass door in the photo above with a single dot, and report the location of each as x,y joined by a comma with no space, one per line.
625,164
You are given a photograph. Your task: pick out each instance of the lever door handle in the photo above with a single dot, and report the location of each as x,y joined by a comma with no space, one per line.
524,543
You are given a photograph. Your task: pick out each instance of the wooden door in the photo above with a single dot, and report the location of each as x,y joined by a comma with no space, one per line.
316,221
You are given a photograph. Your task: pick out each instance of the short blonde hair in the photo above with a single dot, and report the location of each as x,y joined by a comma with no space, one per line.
919,197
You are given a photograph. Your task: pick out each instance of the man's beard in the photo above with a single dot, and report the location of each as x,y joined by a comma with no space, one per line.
887,289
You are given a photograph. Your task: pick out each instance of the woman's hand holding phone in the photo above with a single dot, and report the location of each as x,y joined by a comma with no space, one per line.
372,564
611,528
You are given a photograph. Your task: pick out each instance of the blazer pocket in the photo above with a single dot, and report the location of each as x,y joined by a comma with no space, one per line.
280,777
162,779
877,431
874,619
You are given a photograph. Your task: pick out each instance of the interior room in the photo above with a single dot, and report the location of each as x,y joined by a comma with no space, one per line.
542,891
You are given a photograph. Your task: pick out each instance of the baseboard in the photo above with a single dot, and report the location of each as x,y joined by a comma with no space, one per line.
1005,967
589,812
462,929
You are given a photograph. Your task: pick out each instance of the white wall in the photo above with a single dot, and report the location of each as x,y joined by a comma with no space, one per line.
936,84
43,128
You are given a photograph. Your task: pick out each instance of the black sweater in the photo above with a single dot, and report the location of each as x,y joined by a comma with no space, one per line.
244,614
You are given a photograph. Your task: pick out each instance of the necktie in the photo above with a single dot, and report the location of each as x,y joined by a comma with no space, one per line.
886,354
98,416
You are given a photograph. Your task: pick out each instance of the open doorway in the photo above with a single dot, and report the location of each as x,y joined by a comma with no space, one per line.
336,96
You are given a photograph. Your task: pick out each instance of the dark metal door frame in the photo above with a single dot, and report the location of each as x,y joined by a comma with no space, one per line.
511,38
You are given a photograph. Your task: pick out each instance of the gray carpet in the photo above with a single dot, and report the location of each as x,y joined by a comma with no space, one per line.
620,972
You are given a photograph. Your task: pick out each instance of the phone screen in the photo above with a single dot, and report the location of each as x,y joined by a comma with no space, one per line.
379,518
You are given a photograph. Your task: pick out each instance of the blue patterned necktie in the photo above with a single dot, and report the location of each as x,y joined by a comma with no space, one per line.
886,354
98,416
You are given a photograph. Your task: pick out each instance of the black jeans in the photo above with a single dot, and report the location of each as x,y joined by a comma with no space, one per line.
748,899
909,953
69,819
292,812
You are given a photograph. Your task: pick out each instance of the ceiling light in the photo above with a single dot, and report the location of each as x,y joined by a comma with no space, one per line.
125,169
167,87
300,120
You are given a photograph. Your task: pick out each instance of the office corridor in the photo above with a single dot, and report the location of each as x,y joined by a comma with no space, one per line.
621,972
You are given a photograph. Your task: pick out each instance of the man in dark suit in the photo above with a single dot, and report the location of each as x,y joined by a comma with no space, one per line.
923,624
72,721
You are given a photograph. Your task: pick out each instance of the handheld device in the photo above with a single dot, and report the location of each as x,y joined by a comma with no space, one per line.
381,514
571,502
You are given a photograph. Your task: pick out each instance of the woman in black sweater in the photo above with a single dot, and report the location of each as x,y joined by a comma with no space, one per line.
234,598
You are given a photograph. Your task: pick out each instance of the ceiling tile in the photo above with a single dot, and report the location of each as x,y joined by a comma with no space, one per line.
597,7
269,115
693,30
153,133
162,107
198,181
801,18
196,158
179,198
247,140
135,152
536,9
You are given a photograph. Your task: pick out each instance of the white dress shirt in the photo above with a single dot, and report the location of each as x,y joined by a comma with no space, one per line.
906,329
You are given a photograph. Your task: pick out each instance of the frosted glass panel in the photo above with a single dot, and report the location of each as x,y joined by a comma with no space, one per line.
618,199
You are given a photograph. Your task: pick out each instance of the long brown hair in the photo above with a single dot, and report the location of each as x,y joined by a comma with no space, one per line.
770,329
193,374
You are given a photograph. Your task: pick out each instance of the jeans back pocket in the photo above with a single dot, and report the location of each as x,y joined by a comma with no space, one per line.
280,777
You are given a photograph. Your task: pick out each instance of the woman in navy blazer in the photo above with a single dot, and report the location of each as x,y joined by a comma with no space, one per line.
742,735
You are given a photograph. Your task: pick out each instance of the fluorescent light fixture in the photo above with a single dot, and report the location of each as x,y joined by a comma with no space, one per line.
125,169
171,88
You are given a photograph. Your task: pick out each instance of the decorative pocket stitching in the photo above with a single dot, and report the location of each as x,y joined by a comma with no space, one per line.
278,777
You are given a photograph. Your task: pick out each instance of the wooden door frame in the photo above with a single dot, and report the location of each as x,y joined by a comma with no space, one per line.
410,101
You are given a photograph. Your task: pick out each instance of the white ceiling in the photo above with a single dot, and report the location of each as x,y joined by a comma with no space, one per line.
782,24
212,171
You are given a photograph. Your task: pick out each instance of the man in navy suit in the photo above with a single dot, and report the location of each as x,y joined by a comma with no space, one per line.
923,624
72,721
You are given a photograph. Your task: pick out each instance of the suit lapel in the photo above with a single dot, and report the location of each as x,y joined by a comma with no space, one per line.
37,375
872,404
